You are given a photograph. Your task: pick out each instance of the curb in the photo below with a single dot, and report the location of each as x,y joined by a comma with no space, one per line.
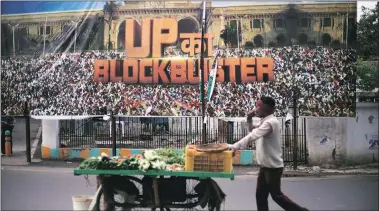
320,174
22,163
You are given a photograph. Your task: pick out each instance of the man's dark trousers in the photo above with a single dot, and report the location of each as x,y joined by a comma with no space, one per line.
269,183
5,128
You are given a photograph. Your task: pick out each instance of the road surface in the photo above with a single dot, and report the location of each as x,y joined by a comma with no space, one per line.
46,188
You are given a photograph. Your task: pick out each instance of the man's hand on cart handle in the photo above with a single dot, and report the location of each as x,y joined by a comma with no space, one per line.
231,147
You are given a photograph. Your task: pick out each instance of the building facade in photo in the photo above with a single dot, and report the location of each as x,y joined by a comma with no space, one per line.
260,25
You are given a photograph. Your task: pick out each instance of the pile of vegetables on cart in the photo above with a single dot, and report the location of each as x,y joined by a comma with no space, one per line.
154,159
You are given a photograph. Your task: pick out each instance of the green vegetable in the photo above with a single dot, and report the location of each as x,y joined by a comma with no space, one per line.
168,156
90,163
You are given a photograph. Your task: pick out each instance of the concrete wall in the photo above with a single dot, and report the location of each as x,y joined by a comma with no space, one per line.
344,140
242,157
362,144
326,140
50,137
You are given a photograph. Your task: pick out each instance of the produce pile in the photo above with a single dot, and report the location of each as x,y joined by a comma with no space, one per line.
158,159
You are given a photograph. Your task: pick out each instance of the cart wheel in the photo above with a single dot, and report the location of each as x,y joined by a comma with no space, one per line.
161,209
136,180
191,183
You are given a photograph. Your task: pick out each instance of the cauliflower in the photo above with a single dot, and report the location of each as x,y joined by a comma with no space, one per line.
150,155
159,165
144,164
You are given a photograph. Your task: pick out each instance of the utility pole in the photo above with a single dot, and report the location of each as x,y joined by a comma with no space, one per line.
347,24
295,119
113,132
110,113
27,133
202,68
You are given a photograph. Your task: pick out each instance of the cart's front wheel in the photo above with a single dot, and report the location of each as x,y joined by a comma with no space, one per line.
161,209
198,194
128,193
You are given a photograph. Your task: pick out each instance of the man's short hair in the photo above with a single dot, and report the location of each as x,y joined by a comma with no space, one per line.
268,101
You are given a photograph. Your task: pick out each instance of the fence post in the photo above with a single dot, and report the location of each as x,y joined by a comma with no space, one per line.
113,132
305,140
27,133
295,118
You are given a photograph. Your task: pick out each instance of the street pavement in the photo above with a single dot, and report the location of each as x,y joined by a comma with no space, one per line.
19,142
46,188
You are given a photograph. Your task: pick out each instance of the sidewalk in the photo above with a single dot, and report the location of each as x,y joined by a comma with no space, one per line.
18,159
316,171
19,143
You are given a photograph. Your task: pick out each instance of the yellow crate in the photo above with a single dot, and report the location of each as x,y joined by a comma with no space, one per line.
210,162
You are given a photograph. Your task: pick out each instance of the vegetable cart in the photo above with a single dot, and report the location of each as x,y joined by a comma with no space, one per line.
155,189
157,179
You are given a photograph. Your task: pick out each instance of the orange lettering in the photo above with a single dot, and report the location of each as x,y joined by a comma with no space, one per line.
265,66
159,65
178,71
220,72
165,31
101,71
133,65
130,31
114,67
231,63
191,43
143,64
248,73
192,79
153,71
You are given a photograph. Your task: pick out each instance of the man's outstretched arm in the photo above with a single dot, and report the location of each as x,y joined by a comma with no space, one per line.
257,133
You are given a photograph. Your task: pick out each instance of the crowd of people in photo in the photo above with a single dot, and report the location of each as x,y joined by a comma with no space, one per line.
62,84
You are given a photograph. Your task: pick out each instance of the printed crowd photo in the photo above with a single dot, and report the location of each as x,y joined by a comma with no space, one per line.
189,105
90,61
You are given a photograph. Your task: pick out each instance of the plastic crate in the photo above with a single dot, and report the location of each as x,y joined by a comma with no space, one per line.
209,162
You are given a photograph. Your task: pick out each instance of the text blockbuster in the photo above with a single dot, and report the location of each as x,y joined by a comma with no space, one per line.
147,65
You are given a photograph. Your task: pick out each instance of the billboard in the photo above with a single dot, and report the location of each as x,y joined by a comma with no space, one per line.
138,56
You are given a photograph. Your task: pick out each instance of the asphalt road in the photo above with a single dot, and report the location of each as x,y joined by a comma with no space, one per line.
39,188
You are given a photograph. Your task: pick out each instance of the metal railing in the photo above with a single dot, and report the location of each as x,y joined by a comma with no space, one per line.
162,132
134,132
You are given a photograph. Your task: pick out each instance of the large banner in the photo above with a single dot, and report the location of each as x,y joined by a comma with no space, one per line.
141,57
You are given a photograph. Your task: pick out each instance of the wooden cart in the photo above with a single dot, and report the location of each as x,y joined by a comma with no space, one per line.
164,190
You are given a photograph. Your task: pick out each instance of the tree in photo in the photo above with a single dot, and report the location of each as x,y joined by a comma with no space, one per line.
229,35
368,75
368,49
110,11
367,34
